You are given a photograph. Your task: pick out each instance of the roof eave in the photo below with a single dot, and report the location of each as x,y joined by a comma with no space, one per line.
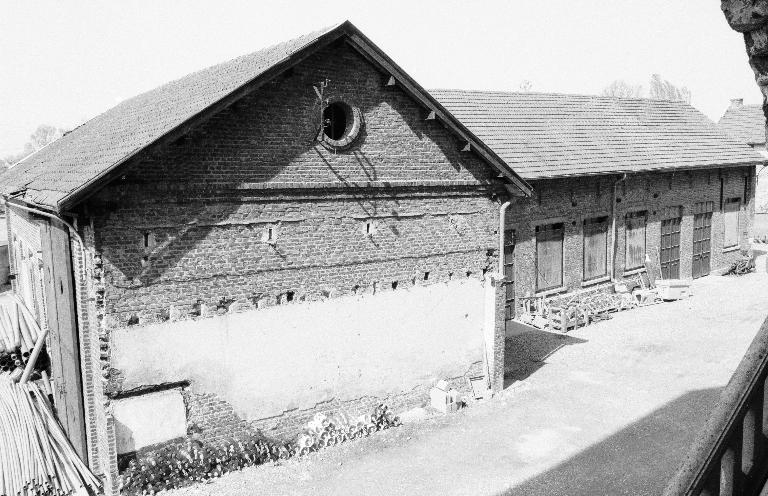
89,188
750,163
362,43
373,53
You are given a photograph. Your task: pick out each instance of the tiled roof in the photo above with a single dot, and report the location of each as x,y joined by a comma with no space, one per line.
554,135
746,123
81,158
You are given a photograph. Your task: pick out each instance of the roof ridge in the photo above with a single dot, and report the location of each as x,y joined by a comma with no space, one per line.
554,93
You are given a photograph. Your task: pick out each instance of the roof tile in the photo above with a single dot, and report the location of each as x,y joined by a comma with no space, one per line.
555,135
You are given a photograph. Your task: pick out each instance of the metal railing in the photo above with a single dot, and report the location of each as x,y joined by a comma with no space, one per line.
730,455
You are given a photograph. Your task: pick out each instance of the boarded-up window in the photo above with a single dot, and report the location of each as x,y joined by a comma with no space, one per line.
595,248
549,256
634,251
731,220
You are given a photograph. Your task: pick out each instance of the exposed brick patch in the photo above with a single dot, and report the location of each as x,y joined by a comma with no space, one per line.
218,422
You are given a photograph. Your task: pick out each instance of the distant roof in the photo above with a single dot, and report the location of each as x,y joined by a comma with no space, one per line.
61,173
545,135
746,123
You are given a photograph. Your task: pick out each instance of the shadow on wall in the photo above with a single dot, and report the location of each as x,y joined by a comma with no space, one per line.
527,348
638,460
368,159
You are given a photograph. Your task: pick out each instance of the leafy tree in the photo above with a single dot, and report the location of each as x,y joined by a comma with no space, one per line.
44,134
661,89
658,89
621,89
526,86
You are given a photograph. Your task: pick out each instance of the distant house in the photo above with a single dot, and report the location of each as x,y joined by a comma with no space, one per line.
615,180
746,123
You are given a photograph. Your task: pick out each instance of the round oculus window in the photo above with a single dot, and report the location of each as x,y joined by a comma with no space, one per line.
341,124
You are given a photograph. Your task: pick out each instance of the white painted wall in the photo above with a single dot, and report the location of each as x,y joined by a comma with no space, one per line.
148,419
264,362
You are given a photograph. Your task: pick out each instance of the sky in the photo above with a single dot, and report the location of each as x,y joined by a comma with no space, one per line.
62,63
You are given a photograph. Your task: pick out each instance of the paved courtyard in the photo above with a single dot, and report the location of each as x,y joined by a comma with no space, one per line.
607,409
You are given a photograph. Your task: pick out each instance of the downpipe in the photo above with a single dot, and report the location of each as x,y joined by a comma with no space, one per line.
495,281
81,277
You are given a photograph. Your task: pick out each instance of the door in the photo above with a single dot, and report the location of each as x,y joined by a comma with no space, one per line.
670,248
64,341
509,275
702,234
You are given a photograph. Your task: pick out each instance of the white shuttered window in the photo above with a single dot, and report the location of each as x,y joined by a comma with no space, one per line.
595,248
634,247
549,256
731,221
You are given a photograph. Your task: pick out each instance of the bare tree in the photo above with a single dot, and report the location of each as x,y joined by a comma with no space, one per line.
621,89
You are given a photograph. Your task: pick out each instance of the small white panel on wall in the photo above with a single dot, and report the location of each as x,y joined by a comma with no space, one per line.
148,419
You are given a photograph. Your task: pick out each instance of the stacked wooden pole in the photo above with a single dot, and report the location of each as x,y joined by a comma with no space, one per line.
35,455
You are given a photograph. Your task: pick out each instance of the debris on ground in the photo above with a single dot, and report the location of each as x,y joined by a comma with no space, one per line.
329,430
176,466
173,466
444,399
35,455
742,266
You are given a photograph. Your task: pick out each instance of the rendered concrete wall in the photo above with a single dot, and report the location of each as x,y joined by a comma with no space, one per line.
264,362
148,419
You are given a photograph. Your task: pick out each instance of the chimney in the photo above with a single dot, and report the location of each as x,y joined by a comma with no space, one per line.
737,102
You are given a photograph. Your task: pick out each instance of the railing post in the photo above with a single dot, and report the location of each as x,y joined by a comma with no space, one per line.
749,439
728,472
765,407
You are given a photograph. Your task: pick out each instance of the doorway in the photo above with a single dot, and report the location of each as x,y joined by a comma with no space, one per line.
670,248
702,234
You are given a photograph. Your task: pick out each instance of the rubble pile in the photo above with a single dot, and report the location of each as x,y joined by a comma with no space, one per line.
172,467
176,466
329,430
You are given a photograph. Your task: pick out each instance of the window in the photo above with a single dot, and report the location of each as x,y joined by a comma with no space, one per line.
595,248
634,246
731,221
341,125
335,120
549,256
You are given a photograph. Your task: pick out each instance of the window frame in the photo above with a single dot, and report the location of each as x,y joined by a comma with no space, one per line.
603,219
640,214
553,226
737,213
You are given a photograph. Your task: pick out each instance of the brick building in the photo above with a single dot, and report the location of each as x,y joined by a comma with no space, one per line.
615,180
746,123
297,229
306,228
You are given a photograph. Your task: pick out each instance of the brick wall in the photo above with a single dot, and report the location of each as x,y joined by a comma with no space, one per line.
182,234
572,201
209,252
24,245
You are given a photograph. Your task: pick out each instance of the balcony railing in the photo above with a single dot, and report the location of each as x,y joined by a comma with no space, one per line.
730,455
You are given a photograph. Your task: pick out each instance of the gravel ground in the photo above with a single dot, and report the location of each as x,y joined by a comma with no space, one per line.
607,409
